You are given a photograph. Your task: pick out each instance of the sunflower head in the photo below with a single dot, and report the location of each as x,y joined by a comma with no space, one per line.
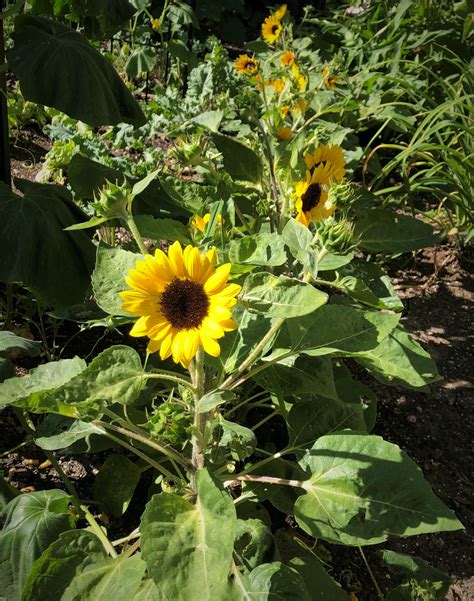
271,29
280,12
199,223
182,300
311,197
284,133
246,64
288,59
331,157
329,79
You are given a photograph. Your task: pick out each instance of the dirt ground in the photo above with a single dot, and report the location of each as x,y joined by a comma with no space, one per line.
435,429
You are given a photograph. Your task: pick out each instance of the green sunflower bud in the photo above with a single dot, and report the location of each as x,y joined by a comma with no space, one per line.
337,236
113,200
171,423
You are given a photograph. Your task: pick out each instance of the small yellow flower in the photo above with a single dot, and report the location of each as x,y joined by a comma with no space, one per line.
300,80
155,23
311,197
331,157
182,300
284,133
280,12
246,64
271,29
199,223
278,84
288,59
284,111
329,80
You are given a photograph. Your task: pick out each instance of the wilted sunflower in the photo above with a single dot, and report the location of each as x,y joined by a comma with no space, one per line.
311,196
328,156
280,12
199,223
183,302
288,59
246,64
329,80
271,29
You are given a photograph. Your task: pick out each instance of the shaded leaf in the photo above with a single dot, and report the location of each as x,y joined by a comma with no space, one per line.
11,343
253,540
240,161
115,484
259,249
162,229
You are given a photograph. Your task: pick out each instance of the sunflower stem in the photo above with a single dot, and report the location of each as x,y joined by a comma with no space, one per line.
200,419
132,226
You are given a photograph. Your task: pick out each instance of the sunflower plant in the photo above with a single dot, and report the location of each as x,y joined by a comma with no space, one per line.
248,323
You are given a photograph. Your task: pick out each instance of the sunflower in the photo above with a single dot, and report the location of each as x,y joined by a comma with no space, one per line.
271,29
288,59
277,84
246,64
300,80
328,156
199,223
311,202
329,80
182,300
280,12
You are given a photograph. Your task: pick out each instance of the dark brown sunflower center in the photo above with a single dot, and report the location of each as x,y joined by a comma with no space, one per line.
184,304
311,197
249,65
274,29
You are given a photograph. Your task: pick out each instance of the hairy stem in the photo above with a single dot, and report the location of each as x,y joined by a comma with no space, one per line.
200,419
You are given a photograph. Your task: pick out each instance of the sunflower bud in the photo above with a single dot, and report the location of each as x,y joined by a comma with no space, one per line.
171,423
113,200
188,152
337,235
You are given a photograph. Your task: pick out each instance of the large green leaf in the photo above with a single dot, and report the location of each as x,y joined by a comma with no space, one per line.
112,265
400,361
162,229
32,523
36,250
25,391
75,567
381,231
240,161
115,484
58,432
188,547
58,67
86,177
141,60
11,343
280,296
277,582
253,540
336,329
148,592
259,249
363,489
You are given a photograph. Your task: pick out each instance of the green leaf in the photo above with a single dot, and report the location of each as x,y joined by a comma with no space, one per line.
108,279
58,67
400,361
148,592
240,161
297,555
210,119
337,330
381,231
188,548
143,183
58,432
363,489
280,296
354,392
236,439
35,248
259,249
141,60
7,369
332,261
310,419
214,398
115,484
26,391
178,49
75,567
253,540
86,177
162,229
7,494
93,222
32,523
277,582
11,343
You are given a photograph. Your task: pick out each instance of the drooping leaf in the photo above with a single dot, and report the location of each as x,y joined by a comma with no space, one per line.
259,249
141,60
76,567
235,439
58,432
25,391
277,582
363,489
381,231
253,540
36,250
214,398
108,279
400,361
188,547
11,343
115,484
280,296
32,522
240,161
179,50
58,67
336,329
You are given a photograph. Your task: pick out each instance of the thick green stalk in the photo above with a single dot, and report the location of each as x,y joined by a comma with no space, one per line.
200,419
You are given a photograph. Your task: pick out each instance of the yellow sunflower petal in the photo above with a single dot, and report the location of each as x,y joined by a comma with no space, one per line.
140,327
191,345
165,346
211,328
175,256
218,279
210,346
